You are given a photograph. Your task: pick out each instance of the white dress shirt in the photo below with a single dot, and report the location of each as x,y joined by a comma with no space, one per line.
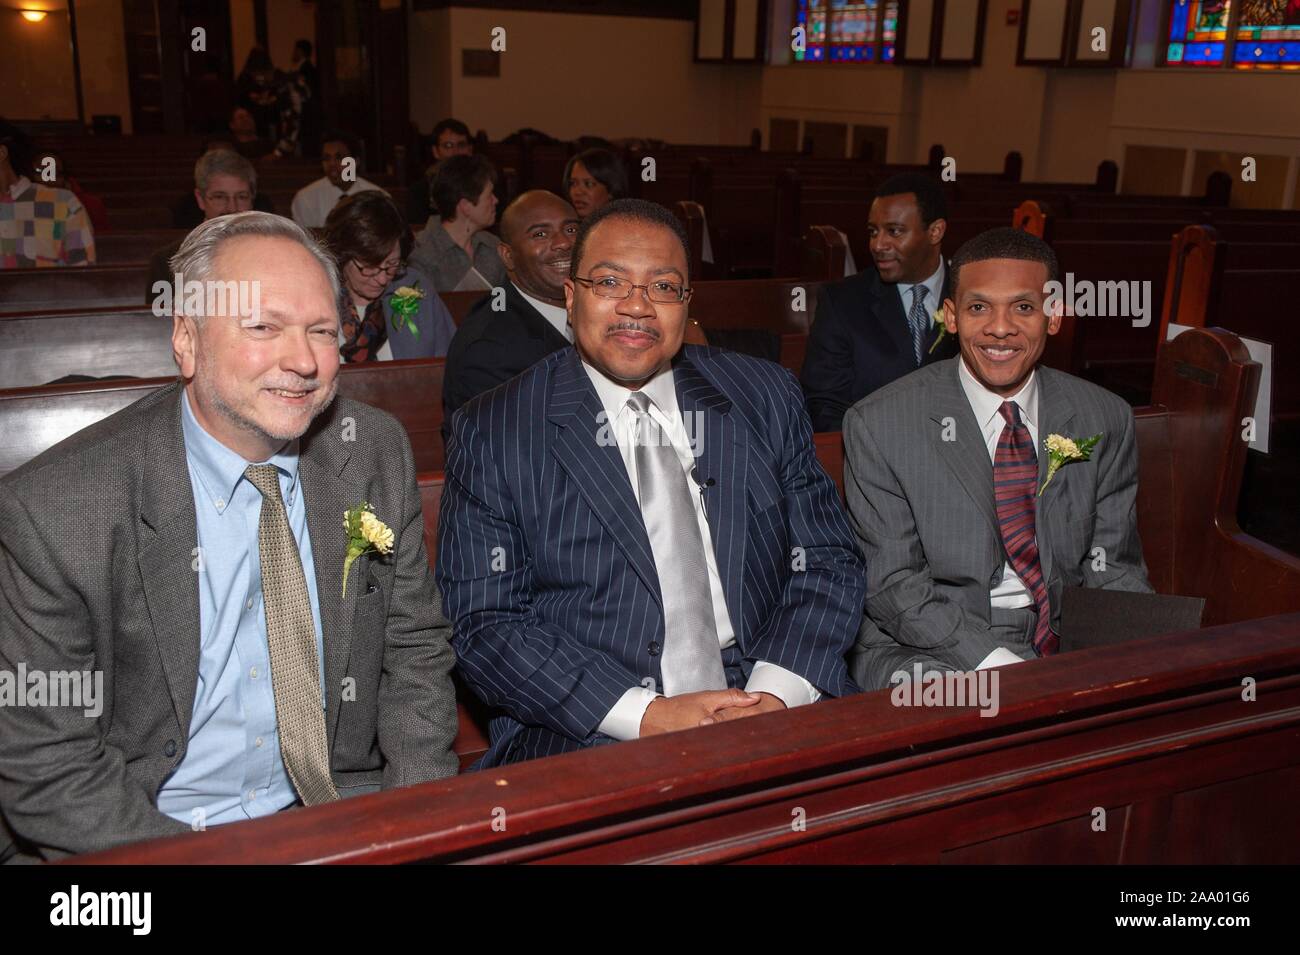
623,721
557,315
1010,592
313,202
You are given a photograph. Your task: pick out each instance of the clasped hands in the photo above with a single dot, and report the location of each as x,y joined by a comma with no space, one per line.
667,714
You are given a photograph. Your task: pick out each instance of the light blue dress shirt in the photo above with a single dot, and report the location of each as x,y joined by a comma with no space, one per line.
232,769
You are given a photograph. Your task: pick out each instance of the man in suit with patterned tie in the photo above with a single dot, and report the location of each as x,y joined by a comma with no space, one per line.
878,325
191,552
636,536
967,552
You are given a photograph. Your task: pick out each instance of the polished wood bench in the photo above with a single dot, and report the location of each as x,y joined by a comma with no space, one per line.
33,420
37,348
1153,733
94,286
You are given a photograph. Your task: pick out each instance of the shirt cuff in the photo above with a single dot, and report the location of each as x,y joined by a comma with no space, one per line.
999,657
790,688
623,721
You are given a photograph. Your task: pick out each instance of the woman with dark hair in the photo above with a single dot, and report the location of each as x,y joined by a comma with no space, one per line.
592,178
389,309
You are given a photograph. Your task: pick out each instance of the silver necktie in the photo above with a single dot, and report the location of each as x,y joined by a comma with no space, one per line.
692,659
917,319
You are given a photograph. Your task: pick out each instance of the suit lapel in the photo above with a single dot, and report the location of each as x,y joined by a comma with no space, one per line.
891,319
586,448
967,455
929,351
166,557
1055,415
327,495
534,322
724,457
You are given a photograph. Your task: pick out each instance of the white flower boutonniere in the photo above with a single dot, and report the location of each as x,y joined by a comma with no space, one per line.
943,330
405,302
365,533
1062,450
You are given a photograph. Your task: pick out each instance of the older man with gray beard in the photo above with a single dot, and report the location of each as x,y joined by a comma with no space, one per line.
193,547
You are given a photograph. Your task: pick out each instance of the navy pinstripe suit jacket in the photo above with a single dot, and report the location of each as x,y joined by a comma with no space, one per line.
546,568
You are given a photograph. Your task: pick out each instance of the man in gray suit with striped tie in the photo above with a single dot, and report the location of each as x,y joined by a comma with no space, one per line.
636,536
969,535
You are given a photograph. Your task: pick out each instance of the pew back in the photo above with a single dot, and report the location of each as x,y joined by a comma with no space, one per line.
1154,730
32,420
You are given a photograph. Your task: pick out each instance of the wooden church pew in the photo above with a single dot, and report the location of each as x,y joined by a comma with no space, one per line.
40,347
1153,731
128,248
94,286
33,420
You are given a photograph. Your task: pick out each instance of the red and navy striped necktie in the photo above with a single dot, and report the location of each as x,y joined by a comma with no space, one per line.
1015,481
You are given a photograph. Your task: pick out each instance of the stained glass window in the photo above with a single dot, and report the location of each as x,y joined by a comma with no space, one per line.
1268,35
1197,31
844,31
1246,34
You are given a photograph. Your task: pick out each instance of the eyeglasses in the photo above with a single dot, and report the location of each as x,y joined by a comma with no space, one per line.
661,292
370,271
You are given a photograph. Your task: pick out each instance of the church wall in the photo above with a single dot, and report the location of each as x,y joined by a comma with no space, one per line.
101,37
36,67
575,74
1063,122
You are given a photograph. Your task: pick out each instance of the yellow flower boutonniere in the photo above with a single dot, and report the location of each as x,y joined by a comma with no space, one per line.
405,302
943,330
1062,450
365,533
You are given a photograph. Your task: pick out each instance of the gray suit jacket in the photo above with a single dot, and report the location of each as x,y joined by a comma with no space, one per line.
97,537
924,513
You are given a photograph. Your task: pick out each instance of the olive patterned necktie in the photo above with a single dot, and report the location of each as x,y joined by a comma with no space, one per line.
291,636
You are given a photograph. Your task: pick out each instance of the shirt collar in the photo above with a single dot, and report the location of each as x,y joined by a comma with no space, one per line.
555,314
220,469
613,396
933,290
19,187
985,404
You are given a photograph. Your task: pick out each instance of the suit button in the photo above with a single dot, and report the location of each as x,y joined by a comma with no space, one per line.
654,648
170,749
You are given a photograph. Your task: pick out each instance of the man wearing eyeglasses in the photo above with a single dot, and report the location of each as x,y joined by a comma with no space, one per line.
636,536
224,182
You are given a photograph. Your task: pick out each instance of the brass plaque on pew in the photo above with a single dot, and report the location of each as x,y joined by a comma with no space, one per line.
1199,375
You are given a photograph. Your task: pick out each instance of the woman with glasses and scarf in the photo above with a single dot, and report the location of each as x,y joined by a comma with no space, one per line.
389,309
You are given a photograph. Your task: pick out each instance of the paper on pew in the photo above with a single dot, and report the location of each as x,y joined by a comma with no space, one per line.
472,281
850,267
1261,352
706,253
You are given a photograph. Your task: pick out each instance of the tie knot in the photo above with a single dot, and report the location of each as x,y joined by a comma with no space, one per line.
266,478
1010,412
639,402
918,295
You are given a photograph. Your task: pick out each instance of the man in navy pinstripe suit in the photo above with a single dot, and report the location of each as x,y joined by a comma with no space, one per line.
636,536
